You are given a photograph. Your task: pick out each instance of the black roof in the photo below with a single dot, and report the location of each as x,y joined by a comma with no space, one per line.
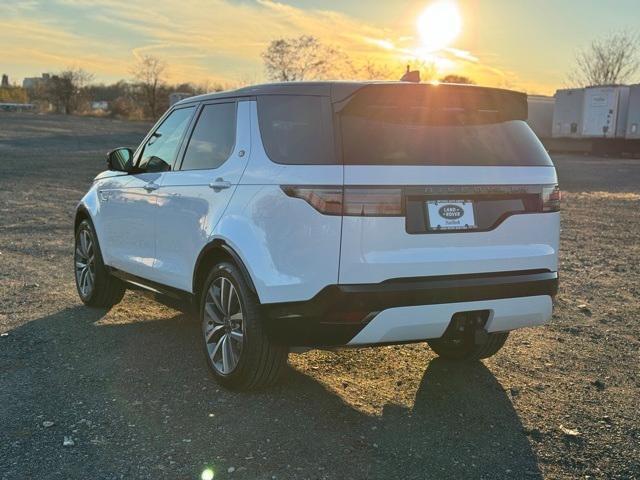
325,89
337,90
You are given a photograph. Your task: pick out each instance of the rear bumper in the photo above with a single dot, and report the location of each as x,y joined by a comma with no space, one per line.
339,313
410,324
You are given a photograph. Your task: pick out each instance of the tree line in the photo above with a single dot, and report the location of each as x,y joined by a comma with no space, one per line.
610,60
146,95
614,59
72,91
307,58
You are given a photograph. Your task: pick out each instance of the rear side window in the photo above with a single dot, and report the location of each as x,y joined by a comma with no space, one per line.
433,126
213,137
296,130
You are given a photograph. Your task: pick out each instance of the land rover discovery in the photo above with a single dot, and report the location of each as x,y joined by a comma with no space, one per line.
330,214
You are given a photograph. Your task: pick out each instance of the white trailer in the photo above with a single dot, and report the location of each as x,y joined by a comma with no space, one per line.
605,112
540,117
16,107
567,113
633,116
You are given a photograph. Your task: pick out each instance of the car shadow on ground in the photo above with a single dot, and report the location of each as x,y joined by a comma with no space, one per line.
138,401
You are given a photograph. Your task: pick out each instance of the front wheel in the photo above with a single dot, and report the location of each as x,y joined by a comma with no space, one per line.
239,353
96,286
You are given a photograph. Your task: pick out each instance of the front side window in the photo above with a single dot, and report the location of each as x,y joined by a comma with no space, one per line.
213,137
161,148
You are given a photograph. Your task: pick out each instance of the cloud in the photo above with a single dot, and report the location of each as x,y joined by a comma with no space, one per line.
24,6
214,40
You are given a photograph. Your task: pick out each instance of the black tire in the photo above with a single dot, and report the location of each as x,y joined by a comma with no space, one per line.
469,347
259,362
106,290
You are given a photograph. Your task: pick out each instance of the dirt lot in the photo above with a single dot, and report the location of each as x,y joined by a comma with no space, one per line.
131,388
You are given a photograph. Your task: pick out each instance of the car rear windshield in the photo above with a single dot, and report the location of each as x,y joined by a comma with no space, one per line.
438,125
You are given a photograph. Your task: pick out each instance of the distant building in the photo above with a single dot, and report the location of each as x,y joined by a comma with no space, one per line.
5,80
16,107
34,82
102,105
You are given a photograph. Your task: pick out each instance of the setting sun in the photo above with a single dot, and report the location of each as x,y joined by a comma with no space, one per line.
439,25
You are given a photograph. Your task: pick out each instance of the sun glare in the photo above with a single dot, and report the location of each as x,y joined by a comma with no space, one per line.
439,25
207,474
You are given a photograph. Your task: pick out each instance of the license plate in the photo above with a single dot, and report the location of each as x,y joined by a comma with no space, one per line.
451,215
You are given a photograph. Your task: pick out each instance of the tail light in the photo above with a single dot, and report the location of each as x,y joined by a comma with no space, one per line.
356,201
327,200
551,196
372,202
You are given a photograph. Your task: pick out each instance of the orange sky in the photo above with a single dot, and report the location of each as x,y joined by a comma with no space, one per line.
526,45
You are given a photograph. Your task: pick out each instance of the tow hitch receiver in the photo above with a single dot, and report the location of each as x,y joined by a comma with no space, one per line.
465,325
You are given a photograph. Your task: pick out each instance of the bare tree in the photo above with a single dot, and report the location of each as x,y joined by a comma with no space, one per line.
149,73
452,78
13,94
371,70
66,89
301,58
306,58
611,60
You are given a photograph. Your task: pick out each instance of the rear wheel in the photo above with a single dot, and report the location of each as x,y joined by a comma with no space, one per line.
96,286
238,351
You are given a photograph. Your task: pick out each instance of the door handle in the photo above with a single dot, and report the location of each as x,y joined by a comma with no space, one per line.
219,184
150,187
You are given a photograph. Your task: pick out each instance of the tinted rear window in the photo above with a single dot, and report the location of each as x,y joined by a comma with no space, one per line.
213,137
438,127
296,130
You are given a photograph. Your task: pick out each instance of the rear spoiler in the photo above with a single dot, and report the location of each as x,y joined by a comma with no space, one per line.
501,104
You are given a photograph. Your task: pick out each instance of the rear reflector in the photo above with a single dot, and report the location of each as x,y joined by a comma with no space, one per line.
551,196
355,201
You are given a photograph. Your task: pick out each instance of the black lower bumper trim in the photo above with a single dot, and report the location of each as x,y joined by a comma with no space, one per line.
327,318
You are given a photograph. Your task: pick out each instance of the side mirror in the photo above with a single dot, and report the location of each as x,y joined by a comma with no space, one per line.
120,159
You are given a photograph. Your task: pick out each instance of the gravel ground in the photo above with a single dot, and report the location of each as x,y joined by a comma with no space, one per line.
130,387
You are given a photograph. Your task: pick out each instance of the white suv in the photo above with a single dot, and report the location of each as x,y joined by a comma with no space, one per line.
331,214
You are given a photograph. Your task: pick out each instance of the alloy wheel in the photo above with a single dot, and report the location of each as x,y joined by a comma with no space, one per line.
85,263
223,325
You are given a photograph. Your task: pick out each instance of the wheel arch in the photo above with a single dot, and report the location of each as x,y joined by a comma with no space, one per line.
82,213
214,252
